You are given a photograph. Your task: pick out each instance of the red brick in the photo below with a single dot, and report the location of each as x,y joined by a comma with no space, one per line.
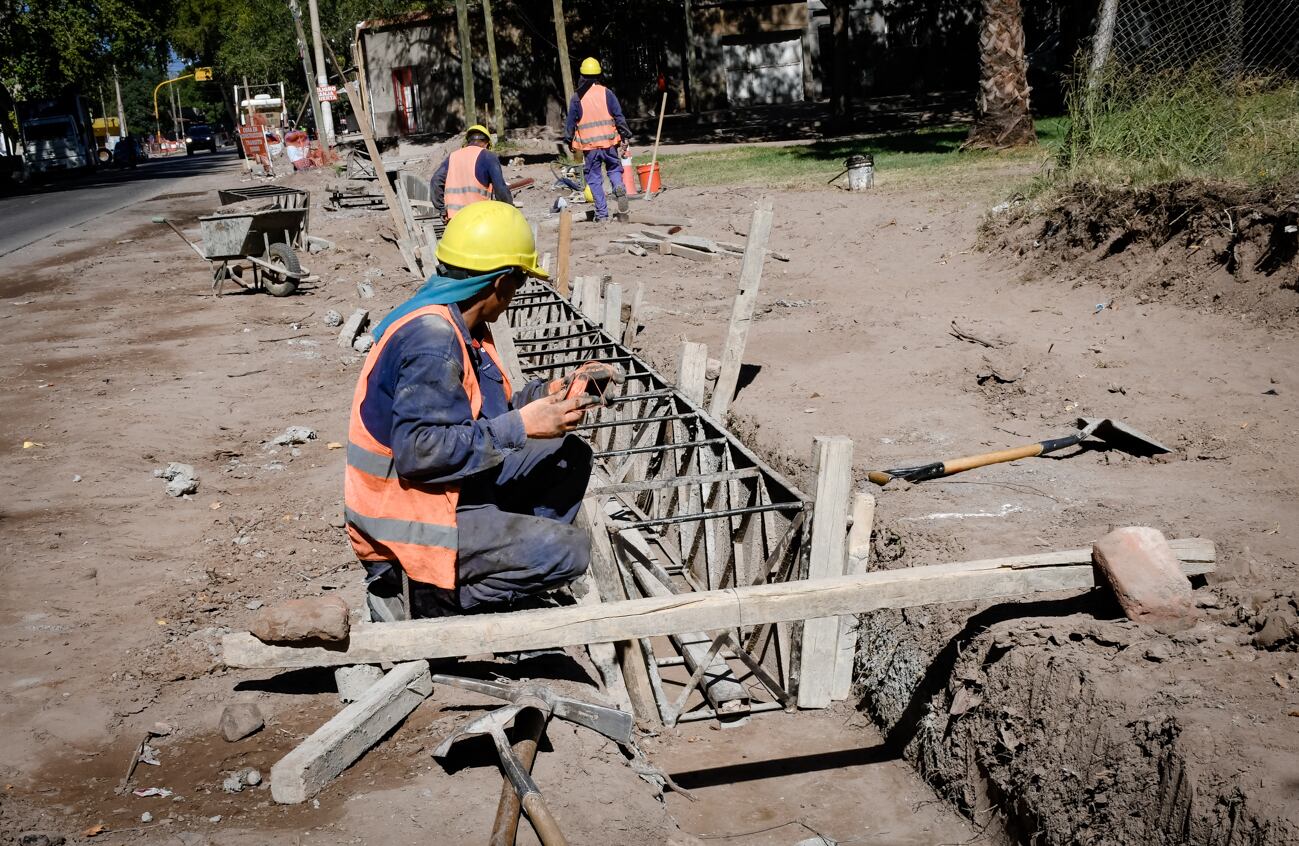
1146,577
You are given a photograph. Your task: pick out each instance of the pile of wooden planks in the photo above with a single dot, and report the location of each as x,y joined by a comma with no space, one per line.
691,247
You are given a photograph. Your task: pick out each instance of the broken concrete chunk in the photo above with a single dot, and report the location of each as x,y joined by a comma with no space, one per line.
240,720
314,618
365,290
181,479
1146,577
363,342
333,318
41,838
294,435
352,327
355,680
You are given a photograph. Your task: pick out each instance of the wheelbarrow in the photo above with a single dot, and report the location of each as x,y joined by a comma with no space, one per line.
265,239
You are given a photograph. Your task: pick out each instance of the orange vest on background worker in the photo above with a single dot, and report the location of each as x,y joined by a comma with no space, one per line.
462,186
394,519
595,129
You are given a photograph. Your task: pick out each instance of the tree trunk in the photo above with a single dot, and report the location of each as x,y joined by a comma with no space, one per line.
1004,119
840,55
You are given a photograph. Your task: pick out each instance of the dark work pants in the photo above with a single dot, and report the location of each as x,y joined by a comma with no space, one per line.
514,531
594,166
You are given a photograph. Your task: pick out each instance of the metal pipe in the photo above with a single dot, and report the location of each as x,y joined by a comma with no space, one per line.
709,515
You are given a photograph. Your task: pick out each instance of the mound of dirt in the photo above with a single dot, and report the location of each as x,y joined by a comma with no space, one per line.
1205,244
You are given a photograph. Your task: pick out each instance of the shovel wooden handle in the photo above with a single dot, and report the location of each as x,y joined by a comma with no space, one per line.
957,465
529,724
542,822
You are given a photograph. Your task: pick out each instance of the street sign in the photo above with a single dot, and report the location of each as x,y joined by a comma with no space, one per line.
253,138
327,93
202,74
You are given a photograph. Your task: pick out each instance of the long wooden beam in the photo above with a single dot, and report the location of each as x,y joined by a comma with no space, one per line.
733,608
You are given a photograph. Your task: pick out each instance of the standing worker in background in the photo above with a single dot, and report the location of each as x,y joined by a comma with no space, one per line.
460,491
468,175
596,126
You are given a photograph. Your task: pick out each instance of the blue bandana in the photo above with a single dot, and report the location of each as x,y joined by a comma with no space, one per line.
438,290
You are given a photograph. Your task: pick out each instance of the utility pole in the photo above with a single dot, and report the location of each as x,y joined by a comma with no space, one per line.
466,61
307,67
121,112
561,38
498,111
326,129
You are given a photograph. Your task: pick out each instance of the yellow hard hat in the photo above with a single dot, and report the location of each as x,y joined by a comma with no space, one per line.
490,235
590,67
478,127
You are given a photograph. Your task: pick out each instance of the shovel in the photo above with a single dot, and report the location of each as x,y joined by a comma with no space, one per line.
1116,434
529,700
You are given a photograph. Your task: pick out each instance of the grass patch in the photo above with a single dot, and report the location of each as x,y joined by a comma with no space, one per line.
1140,128
812,165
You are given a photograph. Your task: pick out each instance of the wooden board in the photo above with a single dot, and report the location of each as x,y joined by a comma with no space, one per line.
562,249
449,637
742,311
333,747
859,550
832,463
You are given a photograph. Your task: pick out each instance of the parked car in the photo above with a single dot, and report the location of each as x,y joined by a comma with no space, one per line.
200,137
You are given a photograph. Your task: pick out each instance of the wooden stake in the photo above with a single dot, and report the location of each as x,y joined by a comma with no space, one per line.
692,370
611,316
742,312
333,747
859,550
389,195
562,249
742,607
466,61
633,320
498,111
832,463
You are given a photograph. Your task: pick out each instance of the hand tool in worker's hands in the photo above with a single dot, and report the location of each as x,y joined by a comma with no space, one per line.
592,379
1115,433
610,722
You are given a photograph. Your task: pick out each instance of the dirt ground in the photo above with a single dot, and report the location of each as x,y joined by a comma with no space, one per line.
114,595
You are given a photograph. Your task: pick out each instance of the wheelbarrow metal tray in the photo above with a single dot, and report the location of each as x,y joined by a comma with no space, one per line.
285,198
233,236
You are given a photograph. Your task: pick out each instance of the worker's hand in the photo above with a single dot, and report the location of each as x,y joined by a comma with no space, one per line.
599,374
623,149
553,416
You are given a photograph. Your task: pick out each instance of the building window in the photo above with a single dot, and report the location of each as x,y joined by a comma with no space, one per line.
406,96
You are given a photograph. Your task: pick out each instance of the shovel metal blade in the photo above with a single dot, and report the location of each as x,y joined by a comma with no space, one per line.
1122,436
493,723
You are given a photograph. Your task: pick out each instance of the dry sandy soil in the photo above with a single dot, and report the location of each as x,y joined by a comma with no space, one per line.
114,595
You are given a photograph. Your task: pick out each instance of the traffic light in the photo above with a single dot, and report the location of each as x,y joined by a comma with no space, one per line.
202,74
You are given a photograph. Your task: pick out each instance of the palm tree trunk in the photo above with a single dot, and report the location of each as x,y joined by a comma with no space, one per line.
1004,119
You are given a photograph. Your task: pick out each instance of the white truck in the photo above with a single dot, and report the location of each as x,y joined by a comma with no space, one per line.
57,135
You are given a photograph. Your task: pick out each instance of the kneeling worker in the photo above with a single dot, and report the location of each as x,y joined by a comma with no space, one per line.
466,487
469,175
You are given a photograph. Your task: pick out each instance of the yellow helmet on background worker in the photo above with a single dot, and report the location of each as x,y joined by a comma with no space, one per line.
478,129
490,235
590,67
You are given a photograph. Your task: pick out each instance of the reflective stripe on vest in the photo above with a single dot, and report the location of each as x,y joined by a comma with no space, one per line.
595,129
394,519
462,186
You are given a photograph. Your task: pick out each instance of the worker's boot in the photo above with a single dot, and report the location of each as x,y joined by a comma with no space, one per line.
620,192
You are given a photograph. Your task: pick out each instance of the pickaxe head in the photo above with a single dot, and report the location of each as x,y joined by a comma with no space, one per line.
610,722
1121,436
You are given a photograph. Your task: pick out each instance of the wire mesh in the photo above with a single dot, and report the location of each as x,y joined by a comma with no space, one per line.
1254,37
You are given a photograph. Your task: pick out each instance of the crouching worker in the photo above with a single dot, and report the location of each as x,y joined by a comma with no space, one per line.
455,480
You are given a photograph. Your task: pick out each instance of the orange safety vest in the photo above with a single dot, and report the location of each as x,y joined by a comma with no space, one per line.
463,186
595,128
394,519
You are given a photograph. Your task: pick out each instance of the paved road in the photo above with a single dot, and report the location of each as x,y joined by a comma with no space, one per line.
45,211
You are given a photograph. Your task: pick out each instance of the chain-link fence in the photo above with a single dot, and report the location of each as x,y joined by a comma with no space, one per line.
1247,37
1188,88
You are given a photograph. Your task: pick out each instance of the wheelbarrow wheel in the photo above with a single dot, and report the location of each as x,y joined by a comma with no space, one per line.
282,284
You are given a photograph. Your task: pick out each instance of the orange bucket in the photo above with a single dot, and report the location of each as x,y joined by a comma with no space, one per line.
649,178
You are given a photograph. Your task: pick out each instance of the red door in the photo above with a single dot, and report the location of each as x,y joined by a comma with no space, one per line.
406,97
